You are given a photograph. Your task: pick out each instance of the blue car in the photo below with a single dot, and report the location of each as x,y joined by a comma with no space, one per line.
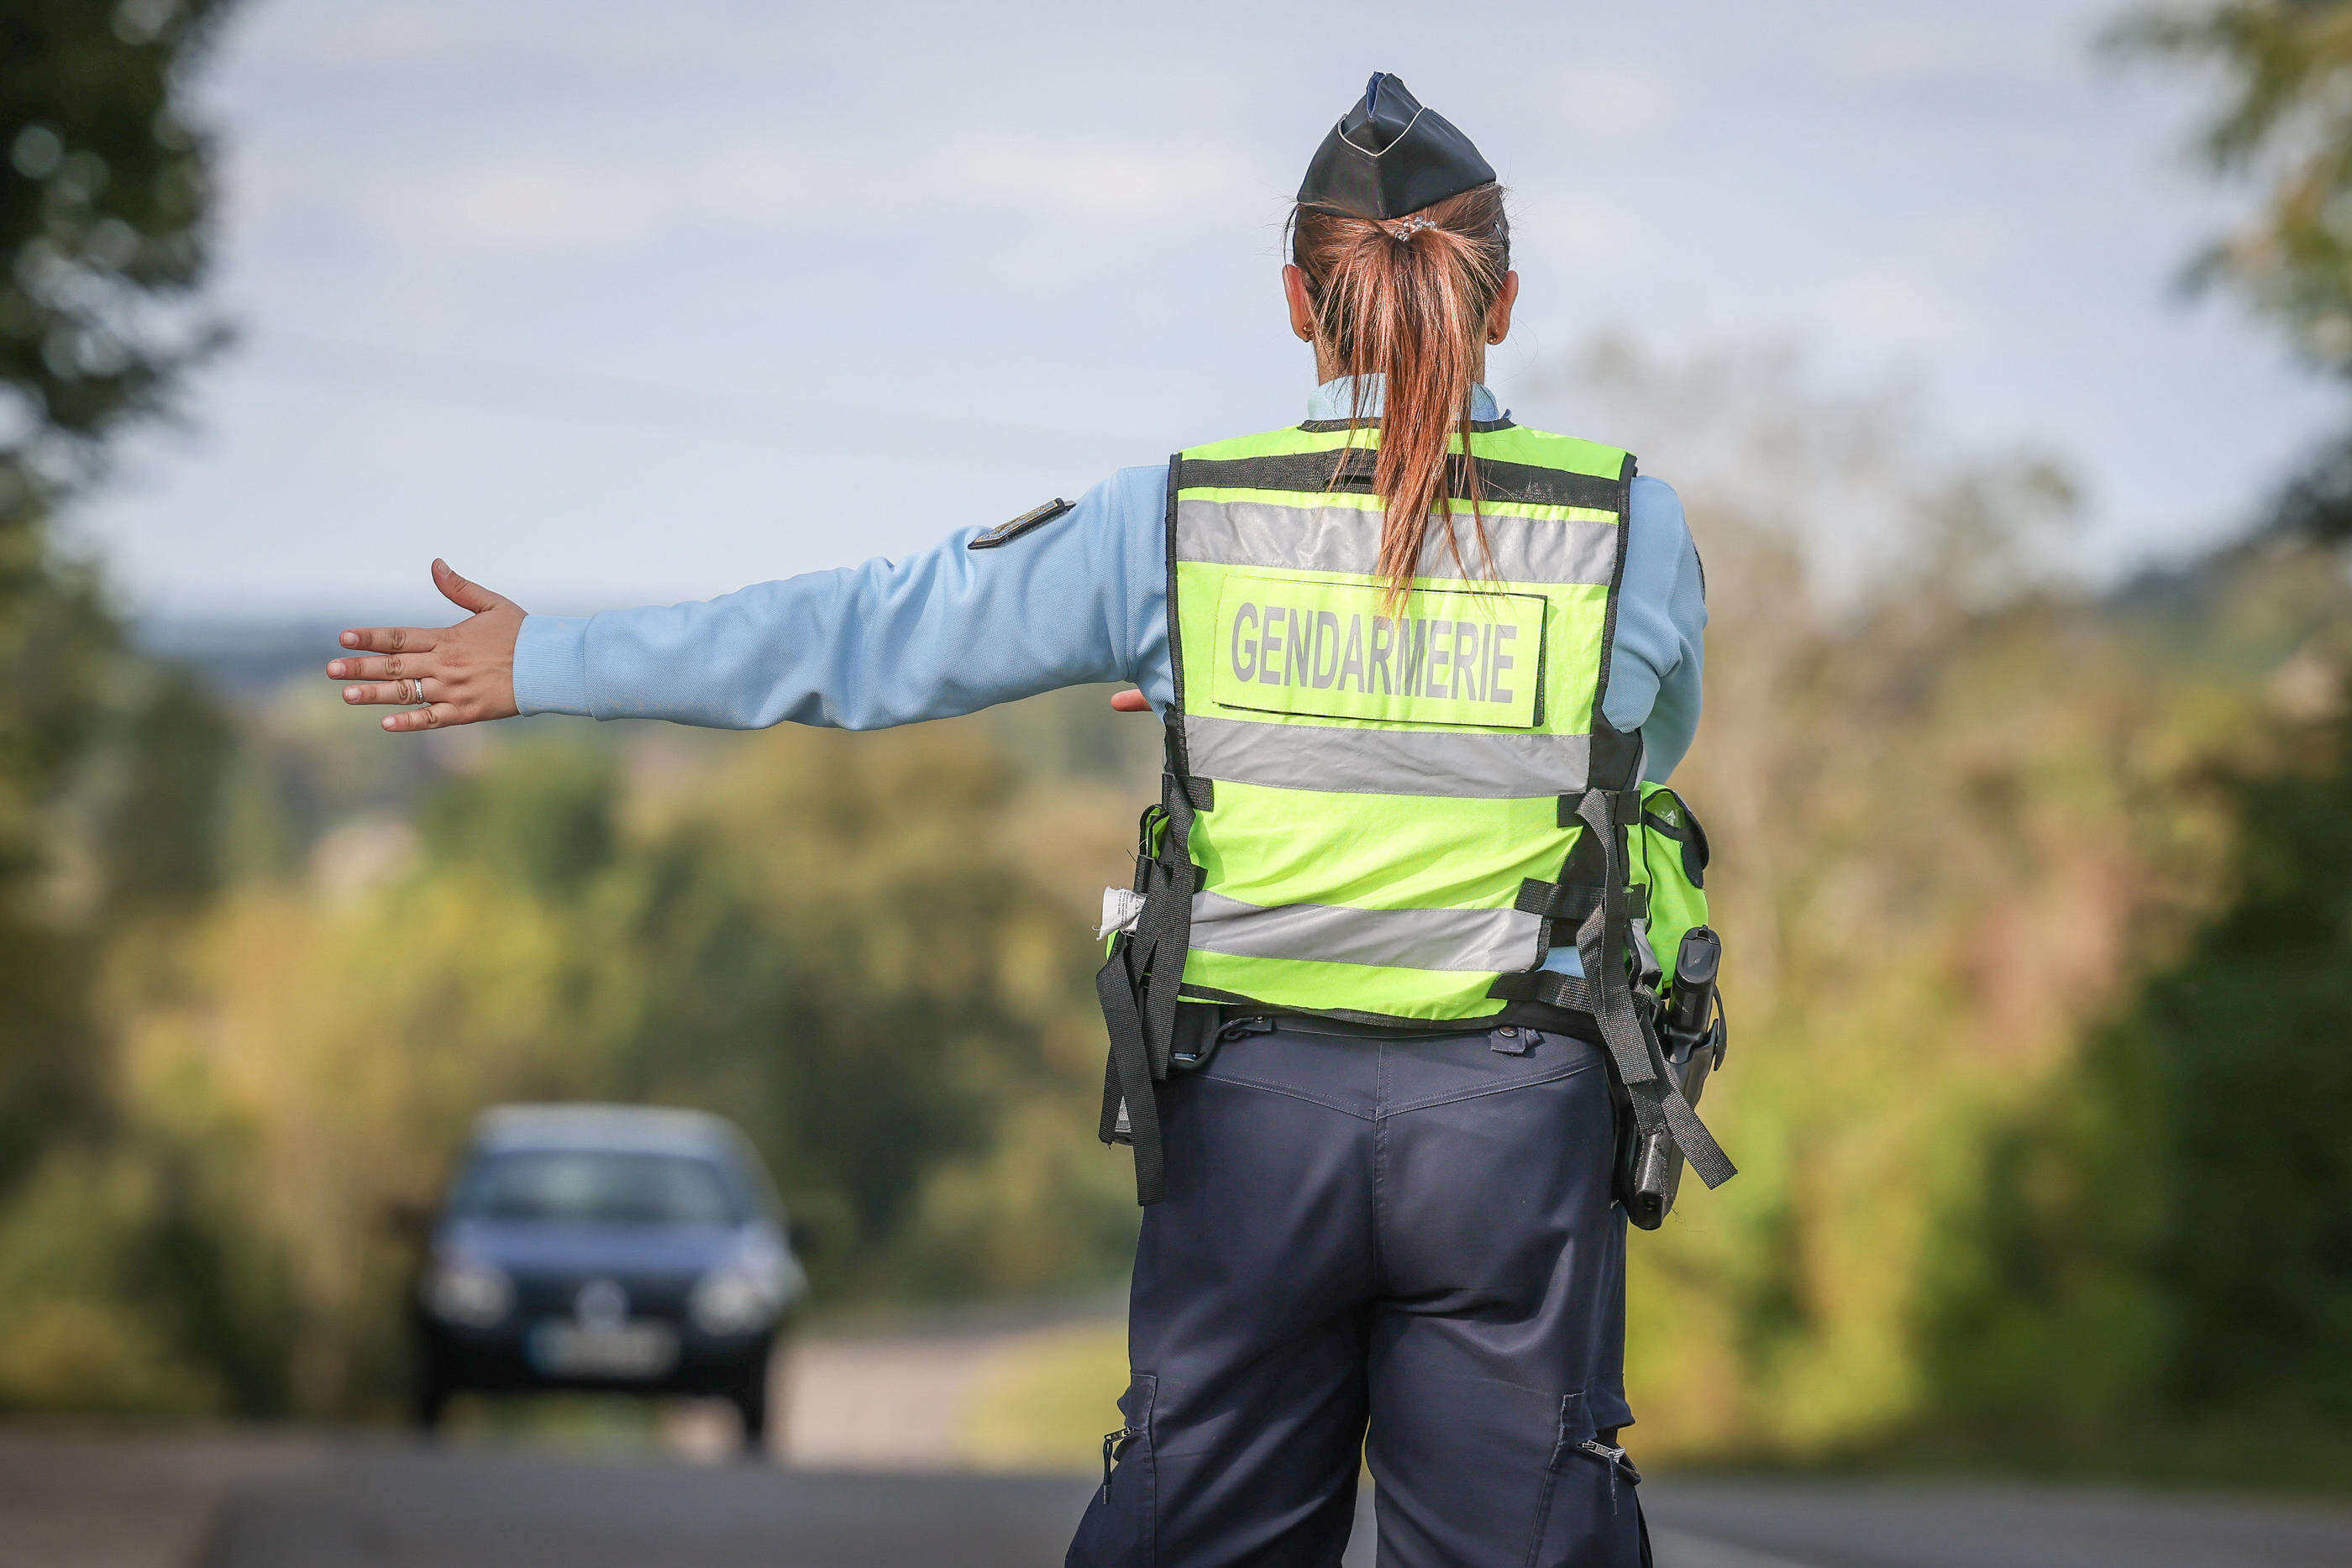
605,1247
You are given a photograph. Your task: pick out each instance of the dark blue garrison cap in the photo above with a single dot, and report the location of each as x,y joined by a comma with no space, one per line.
1388,156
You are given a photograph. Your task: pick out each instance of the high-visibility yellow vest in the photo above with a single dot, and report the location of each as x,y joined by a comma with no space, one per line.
1387,779
1389,812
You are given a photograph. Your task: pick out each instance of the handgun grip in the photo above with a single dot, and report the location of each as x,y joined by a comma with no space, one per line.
1657,1173
1696,963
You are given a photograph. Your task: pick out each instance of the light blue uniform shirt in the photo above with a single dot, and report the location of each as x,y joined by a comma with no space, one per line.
1081,599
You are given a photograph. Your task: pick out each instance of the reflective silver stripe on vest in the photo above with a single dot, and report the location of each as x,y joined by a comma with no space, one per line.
1455,763
1471,939
1348,539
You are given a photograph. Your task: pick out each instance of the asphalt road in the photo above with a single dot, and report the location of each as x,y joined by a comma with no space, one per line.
431,1511
425,1512
234,1500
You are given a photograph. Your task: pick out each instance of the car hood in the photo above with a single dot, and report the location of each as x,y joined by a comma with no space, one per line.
531,1247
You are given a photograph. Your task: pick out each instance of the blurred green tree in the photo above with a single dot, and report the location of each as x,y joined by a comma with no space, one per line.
2284,126
2157,1254
104,204
2154,1257
104,215
108,764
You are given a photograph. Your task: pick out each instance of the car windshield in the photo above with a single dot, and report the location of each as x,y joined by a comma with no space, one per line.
595,1187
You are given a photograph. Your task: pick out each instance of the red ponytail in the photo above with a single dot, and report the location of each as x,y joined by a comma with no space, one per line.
1407,299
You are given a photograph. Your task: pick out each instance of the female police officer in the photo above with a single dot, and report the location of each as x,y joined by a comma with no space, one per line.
1411,657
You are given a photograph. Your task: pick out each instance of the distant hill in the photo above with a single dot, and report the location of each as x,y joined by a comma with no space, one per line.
242,656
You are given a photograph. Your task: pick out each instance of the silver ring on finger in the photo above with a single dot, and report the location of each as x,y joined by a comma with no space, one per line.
416,697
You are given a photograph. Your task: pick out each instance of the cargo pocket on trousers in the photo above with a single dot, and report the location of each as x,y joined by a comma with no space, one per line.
1120,1527
1589,1516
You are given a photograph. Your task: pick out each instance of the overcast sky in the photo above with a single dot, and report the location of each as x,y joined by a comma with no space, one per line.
619,301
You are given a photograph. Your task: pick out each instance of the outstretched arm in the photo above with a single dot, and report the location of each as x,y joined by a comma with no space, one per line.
943,631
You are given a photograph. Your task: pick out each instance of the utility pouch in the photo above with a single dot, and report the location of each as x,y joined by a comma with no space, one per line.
1666,854
1681,1014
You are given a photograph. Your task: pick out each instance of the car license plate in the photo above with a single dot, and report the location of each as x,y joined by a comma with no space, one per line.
629,1349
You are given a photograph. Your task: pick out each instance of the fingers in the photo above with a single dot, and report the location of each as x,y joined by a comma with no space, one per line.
1129,701
467,596
464,595
389,639
460,698
452,702
393,667
388,693
434,718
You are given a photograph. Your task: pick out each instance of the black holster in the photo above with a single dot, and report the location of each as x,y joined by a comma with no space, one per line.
1650,1164
1137,982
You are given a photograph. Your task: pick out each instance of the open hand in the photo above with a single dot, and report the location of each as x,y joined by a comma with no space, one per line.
442,674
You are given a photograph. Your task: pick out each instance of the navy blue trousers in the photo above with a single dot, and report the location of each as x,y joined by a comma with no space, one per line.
1399,1251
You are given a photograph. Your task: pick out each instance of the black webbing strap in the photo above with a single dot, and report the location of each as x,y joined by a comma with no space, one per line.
1126,1077
1550,987
1573,901
1633,1045
1167,918
1137,987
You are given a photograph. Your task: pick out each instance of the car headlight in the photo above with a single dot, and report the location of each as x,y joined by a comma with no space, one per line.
465,1290
736,1298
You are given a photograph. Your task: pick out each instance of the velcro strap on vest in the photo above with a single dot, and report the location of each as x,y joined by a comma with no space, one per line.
1573,901
1625,806
1550,987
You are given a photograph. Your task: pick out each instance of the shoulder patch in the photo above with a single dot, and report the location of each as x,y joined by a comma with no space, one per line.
1005,533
